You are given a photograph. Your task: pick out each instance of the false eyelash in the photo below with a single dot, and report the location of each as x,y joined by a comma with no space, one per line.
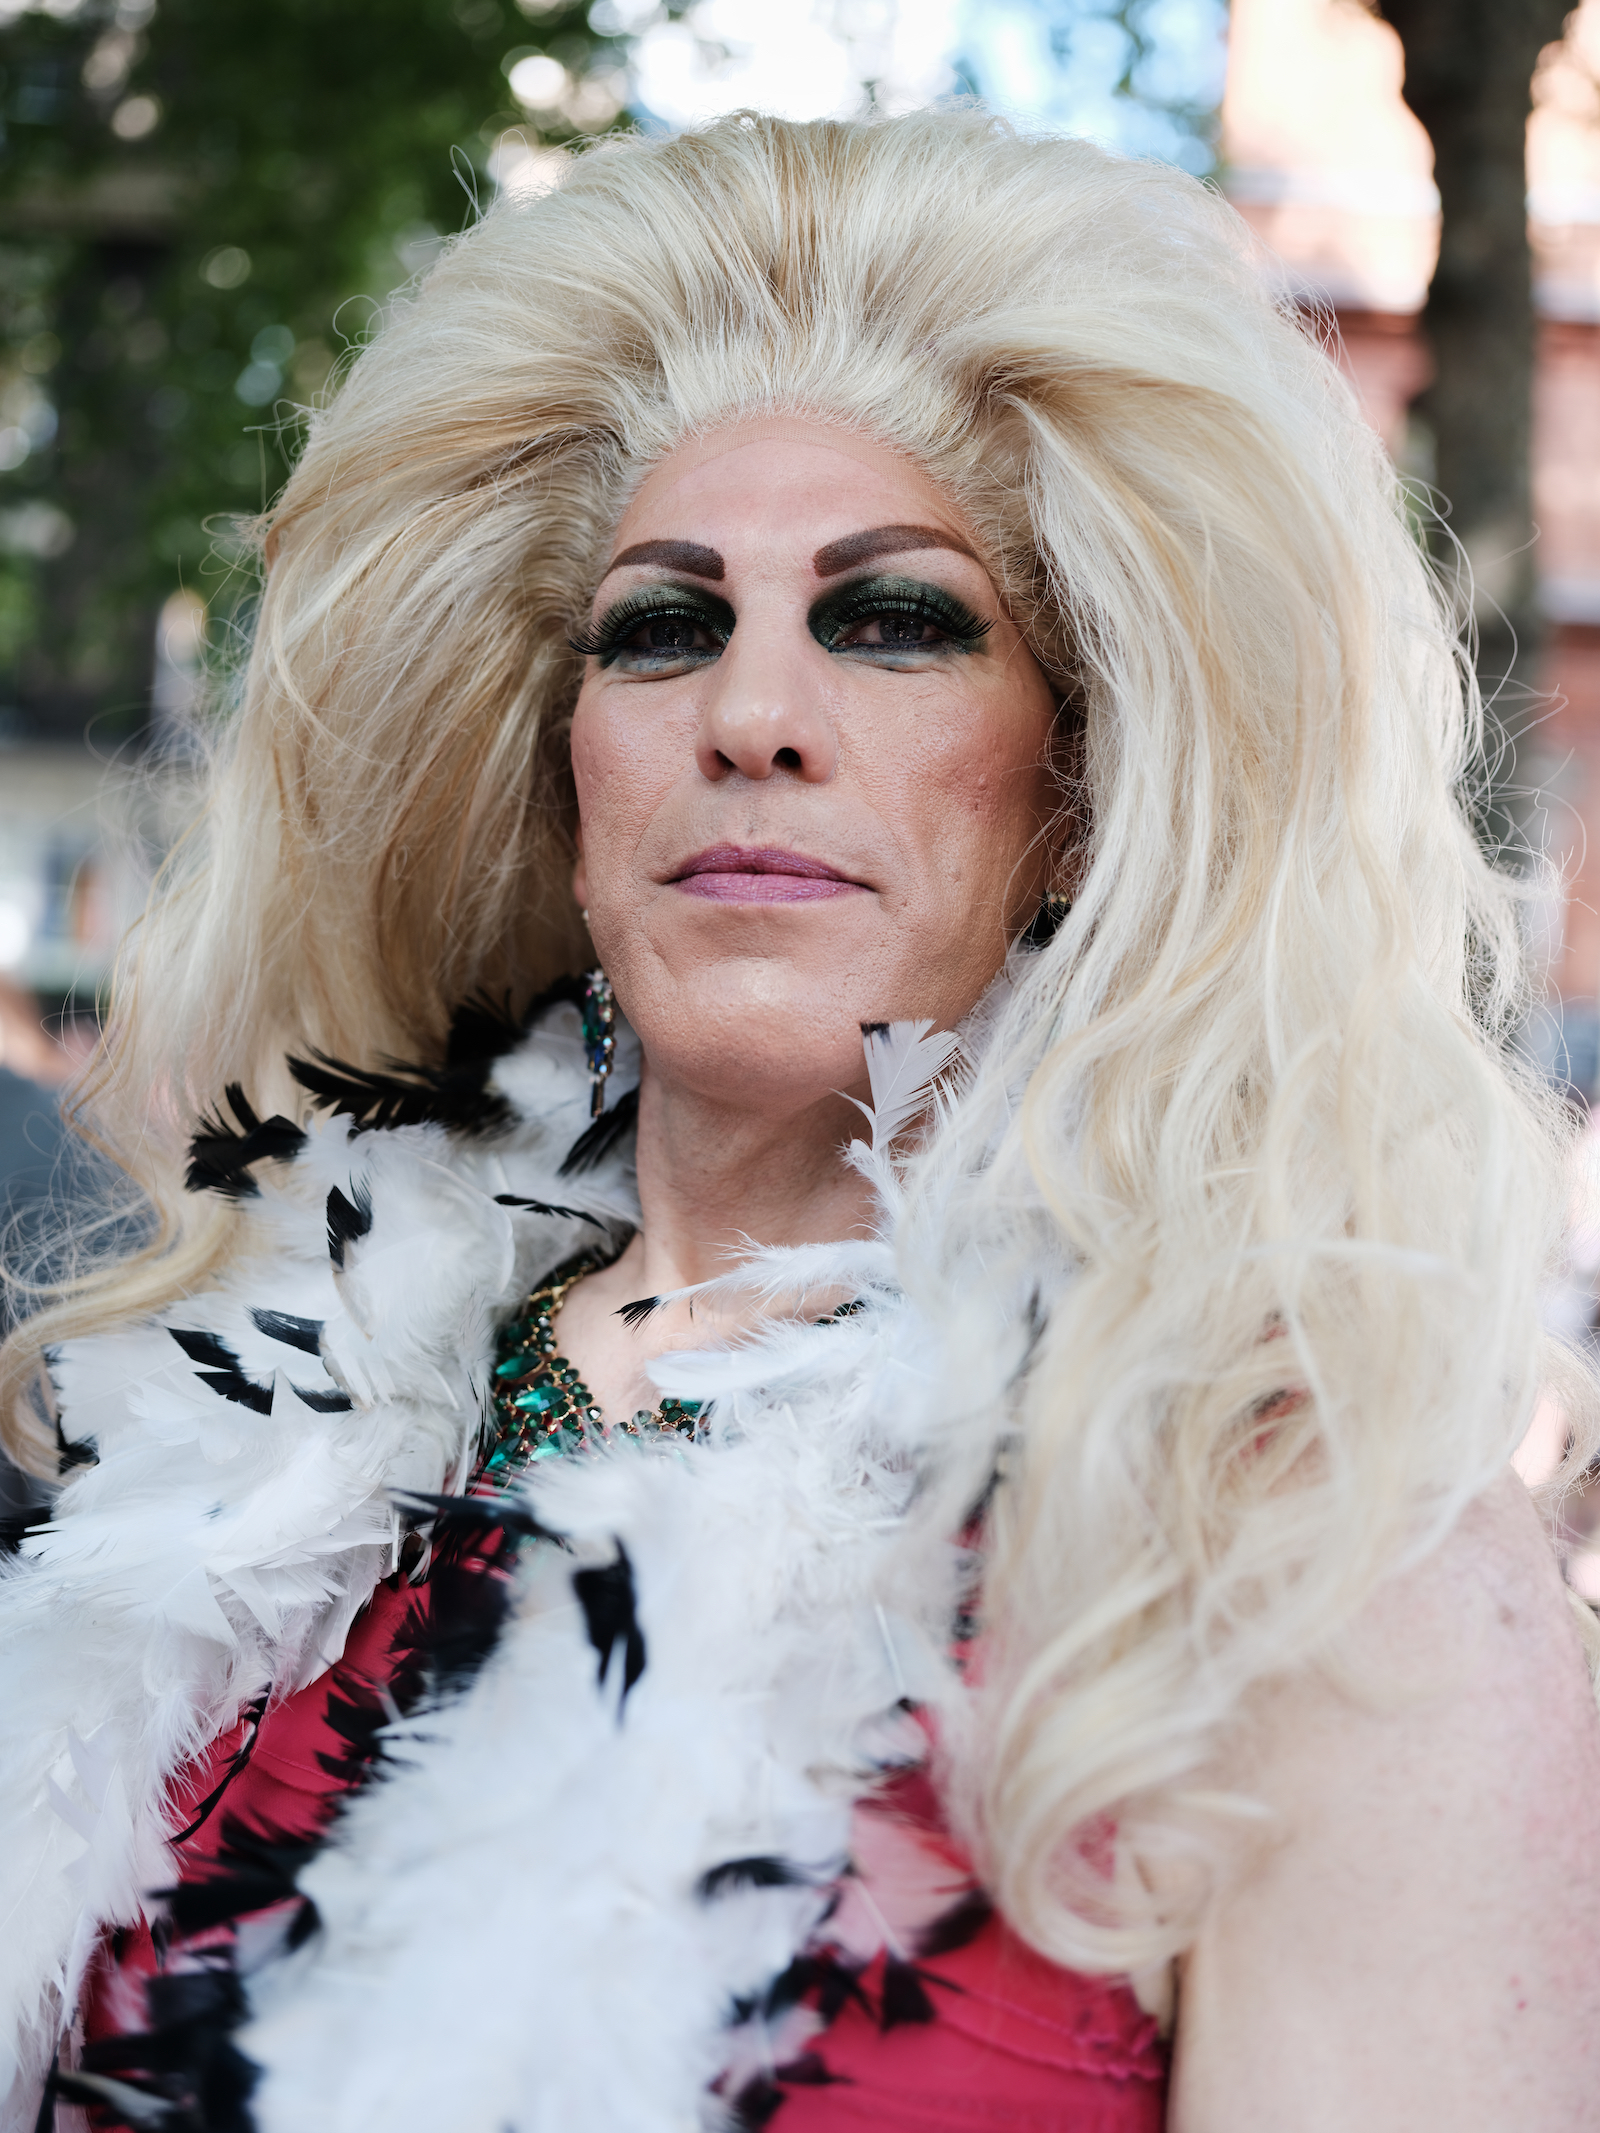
866,597
642,606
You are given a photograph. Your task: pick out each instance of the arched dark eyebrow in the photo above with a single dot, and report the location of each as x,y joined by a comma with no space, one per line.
673,555
883,540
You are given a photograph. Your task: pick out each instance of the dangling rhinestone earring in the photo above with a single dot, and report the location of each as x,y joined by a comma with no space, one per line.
1047,921
599,1042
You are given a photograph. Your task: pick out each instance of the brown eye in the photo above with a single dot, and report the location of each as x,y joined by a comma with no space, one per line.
669,634
898,631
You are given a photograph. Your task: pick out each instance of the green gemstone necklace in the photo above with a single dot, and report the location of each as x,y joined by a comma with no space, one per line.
542,1408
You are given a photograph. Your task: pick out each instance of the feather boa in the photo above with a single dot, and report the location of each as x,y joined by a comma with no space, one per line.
576,1870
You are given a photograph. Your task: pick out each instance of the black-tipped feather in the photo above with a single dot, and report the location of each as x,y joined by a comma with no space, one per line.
471,1601
377,1099
224,1376
73,1451
761,1871
470,1520
978,1510
457,1094
606,1597
962,1923
787,1990
115,2103
224,1151
236,1762
638,1311
302,1333
905,1997
189,2076
324,1403
15,1526
481,1031
205,1348
596,1142
756,2104
758,2101
1036,1319
349,1219
544,1207
252,1872
835,1987
221,1155
810,2071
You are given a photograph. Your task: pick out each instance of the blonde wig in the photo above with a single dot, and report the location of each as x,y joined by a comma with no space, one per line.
1266,1107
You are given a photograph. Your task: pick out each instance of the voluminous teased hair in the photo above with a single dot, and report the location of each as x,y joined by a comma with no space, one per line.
1268,1109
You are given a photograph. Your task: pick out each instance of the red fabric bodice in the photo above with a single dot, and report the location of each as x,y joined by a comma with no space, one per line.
993,2036
1015,2044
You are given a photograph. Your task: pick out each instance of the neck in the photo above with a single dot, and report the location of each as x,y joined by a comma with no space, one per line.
715,1178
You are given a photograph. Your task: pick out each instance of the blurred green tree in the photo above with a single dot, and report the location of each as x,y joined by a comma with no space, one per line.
202,206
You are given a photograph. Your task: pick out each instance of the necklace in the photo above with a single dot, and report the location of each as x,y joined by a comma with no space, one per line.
542,1408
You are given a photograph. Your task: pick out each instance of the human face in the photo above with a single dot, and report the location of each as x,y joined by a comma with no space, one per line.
810,756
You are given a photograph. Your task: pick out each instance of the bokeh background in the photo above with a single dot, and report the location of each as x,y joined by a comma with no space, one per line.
207,205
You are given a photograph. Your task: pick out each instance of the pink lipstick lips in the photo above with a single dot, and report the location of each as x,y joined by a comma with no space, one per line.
760,874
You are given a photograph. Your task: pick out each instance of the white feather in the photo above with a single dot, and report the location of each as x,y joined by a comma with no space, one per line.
903,1063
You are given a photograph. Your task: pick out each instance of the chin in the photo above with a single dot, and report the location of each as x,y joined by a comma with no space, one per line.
748,1024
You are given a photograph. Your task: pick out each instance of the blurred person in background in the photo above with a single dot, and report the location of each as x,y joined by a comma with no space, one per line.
34,1066
1023,1615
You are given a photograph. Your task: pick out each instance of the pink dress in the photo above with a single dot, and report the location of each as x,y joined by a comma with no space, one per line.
973,2031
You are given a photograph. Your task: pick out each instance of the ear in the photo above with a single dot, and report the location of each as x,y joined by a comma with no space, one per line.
580,873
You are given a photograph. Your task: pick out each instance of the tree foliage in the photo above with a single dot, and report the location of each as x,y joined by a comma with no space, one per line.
201,207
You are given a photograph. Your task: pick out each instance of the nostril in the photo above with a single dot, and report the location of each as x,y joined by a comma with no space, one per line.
787,759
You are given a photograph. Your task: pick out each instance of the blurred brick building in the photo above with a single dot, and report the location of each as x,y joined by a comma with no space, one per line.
1325,161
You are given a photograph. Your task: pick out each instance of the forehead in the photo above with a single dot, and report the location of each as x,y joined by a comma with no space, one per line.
785,479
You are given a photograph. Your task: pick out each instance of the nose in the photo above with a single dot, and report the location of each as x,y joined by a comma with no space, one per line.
766,710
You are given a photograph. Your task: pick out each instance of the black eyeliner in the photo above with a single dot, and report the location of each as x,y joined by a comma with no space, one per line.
863,598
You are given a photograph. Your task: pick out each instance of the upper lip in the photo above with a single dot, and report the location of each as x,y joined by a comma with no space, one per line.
757,859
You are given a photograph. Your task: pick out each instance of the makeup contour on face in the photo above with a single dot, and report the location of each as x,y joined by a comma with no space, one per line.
810,756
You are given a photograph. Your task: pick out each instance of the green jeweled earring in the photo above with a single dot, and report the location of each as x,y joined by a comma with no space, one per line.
599,1041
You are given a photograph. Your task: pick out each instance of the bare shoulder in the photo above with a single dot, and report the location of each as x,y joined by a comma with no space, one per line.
1418,1943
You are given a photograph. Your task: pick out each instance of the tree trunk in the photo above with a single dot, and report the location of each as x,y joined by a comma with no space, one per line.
1469,69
